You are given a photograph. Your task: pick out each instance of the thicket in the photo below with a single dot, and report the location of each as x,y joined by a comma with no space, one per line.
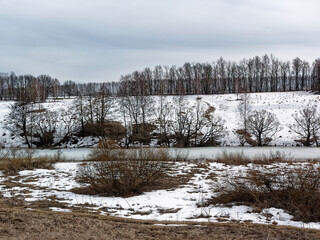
118,172
294,189
256,74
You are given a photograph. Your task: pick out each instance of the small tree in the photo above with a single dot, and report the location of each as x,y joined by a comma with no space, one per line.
182,126
244,109
263,125
20,121
163,113
45,125
307,125
207,127
67,125
196,124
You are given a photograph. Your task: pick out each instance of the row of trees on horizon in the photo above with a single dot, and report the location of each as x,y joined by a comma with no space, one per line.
257,74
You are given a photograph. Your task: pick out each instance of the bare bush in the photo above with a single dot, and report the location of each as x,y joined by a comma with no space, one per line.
123,173
295,189
107,150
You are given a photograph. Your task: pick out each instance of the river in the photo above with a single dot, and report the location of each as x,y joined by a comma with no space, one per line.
297,153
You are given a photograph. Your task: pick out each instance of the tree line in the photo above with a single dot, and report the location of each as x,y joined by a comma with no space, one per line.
28,88
257,74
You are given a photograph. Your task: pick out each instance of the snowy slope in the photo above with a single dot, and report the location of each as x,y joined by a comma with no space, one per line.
282,104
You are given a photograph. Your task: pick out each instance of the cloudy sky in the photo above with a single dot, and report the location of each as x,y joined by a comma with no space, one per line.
100,40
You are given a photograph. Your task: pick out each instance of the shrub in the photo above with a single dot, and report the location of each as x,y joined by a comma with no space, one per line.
142,133
111,129
296,190
121,173
107,150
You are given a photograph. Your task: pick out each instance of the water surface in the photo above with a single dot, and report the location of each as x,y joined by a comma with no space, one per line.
298,153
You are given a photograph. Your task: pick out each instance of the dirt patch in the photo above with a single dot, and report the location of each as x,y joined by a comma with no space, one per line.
18,223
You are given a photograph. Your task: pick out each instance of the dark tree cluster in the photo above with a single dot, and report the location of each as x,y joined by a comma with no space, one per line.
257,74
28,88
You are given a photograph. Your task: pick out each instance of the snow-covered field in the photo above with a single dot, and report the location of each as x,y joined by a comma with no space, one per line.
180,204
282,104
184,202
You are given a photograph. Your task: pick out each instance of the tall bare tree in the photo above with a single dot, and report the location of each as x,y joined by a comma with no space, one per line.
244,109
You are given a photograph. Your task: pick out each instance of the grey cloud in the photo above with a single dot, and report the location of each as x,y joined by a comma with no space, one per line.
100,40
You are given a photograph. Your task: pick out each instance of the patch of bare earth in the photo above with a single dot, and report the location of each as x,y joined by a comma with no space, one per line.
16,222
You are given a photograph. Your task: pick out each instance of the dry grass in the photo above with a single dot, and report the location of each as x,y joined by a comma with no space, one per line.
18,223
122,173
246,137
238,159
12,161
296,190
110,151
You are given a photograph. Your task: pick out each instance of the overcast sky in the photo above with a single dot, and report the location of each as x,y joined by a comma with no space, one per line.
100,40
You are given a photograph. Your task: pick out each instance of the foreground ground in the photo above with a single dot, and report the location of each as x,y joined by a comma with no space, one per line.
16,222
195,200
52,188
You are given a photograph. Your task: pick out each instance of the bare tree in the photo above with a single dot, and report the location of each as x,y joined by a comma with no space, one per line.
196,124
69,88
163,114
44,129
307,125
244,108
285,75
296,69
183,121
207,127
316,76
126,120
263,125
80,109
67,125
20,121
